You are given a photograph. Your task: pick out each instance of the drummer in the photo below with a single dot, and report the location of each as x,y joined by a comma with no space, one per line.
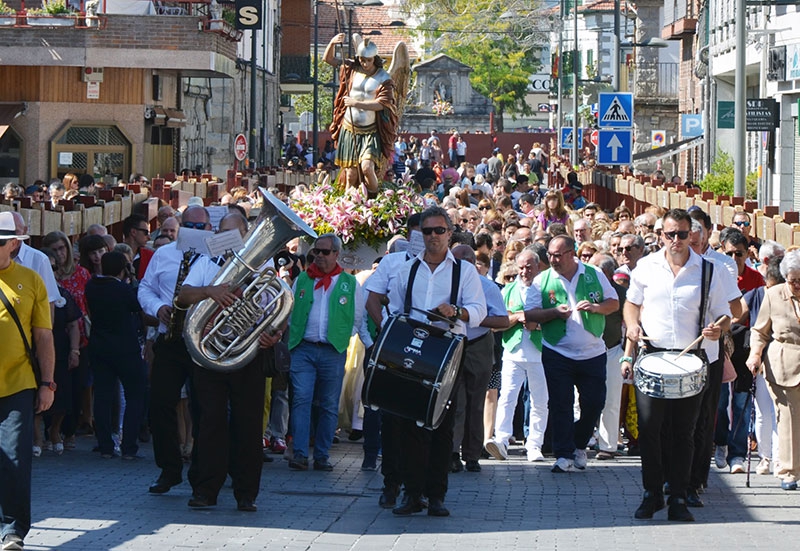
430,277
667,286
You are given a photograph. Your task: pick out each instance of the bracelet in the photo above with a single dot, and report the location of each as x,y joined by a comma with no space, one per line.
75,351
624,359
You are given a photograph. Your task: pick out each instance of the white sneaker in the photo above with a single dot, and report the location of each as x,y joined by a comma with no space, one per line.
580,459
721,457
496,449
764,466
535,455
37,451
563,465
737,465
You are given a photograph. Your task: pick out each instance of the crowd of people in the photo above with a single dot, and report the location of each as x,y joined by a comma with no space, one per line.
554,296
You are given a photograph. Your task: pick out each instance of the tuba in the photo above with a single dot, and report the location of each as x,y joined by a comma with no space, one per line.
226,339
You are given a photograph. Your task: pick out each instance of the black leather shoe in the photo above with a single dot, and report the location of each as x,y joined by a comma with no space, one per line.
322,465
436,507
247,505
456,466
667,490
409,506
650,504
163,484
298,464
201,502
678,510
692,499
473,466
388,498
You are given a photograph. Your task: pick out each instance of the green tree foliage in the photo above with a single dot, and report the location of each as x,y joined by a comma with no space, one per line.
305,102
499,39
719,180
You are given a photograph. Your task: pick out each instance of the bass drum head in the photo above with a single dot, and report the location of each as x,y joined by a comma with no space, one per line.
441,399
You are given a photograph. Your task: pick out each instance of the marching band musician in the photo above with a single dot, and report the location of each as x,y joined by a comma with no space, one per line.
227,440
426,462
667,287
172,365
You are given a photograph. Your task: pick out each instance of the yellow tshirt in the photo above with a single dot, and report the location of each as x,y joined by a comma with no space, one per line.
26,292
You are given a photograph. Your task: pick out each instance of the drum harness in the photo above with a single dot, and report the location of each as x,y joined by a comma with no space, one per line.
454,284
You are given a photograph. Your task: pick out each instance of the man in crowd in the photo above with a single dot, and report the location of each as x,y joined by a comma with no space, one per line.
570,301
644,223
428,282
629,251
582,230
668,286
328,306
20,399
136,234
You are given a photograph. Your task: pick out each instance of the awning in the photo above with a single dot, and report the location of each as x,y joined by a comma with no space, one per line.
175,118
669,150
8,112
159,117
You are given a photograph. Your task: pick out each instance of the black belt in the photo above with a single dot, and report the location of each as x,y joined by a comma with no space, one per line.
476,339
317,343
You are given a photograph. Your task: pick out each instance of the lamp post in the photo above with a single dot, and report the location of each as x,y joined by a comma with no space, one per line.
575,74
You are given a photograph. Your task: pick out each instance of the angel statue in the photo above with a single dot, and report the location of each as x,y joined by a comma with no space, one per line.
367,109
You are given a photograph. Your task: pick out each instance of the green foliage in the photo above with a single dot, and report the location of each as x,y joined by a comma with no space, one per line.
503,51
305,102
719,180
5,9
52,7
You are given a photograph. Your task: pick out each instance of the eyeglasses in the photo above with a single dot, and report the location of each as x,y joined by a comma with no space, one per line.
194,225
324,252
466,220
737,254
649,226
556,256
438,230
671,235
793,282
744,223
146,231
626,249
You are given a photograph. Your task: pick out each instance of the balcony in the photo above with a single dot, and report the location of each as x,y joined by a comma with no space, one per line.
679,19
652,80
296,70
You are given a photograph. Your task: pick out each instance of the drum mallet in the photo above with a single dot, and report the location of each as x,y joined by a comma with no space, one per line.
720,320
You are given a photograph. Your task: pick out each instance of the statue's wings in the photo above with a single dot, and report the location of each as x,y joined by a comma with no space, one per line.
400,71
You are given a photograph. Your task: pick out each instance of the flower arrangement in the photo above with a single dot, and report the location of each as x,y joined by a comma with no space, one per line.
5,9
442,107
52,7
354,217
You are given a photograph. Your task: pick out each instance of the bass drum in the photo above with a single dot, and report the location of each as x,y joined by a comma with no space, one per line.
412,371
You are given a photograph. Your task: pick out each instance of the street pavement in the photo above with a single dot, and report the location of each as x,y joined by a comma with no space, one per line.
81,501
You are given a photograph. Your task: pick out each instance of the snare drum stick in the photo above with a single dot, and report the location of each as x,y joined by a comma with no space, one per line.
695,342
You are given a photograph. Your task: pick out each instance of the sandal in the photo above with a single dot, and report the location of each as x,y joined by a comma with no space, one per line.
603,456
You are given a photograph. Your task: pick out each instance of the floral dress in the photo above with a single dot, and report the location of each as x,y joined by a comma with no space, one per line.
76,285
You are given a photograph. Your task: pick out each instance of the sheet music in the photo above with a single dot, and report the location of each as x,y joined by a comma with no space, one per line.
221,243
190,238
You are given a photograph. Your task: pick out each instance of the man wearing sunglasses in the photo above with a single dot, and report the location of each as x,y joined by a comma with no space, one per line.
629,251
328,308
136,234
426,463
667,286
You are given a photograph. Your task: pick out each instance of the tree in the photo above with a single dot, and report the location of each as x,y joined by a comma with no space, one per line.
305,102
719,180
499,39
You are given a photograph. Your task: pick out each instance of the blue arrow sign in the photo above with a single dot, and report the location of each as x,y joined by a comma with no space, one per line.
614,147
566,137
615,110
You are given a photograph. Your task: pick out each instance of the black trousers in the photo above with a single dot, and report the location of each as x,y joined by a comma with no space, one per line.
470,397
677,419
425,457
230,409
704,430
172,367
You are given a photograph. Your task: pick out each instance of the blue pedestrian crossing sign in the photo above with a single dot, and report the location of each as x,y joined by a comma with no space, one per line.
566,137
614,147
615,110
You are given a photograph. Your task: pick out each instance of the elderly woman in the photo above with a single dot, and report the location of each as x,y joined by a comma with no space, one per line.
778,325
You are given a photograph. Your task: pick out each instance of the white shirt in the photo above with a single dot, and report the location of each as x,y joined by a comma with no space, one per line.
670,304
432,289
380,282
525,351
724,260
40,263
494,306
317,325
578,343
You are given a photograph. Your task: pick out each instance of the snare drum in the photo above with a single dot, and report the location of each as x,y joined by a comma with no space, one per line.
412,371
665,375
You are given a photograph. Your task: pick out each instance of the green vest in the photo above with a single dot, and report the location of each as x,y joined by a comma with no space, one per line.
512,297
553,294
341,310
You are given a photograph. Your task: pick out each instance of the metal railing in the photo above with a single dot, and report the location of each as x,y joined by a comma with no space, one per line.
651,79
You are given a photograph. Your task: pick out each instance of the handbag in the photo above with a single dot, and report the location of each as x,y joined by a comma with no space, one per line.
31,356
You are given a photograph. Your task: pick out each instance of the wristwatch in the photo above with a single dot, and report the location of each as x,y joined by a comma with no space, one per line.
49,384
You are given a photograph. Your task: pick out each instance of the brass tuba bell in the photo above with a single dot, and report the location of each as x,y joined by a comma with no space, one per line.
226,339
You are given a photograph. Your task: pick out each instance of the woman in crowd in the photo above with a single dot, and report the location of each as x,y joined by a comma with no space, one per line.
777,331
554,210
92,248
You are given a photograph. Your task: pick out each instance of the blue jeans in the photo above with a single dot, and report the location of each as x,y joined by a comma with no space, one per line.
563,376
317,372
733,432
16,456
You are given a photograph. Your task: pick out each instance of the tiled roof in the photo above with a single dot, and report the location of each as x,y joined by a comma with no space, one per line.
364,20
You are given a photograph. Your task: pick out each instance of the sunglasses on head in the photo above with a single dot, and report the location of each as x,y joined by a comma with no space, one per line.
438,230
737,254
671,235
744,223
324,252
194,225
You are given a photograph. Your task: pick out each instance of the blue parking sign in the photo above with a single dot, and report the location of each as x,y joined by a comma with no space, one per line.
691,126
566,137
614,147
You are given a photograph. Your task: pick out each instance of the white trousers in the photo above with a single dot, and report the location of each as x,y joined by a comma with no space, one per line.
513,374
766,429
608,430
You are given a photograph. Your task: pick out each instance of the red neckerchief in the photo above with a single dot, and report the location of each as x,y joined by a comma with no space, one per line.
324,280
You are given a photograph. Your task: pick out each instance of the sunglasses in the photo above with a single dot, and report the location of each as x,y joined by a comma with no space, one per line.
438,230
145,231
671,235
485,208
587,256
737,254
744,223
556,256
626,249
194,225
509,278
323,252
